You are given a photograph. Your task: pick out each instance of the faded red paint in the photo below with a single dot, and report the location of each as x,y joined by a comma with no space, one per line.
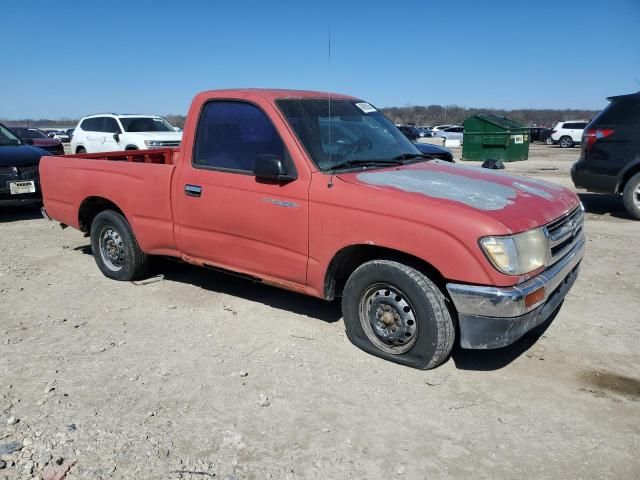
233,225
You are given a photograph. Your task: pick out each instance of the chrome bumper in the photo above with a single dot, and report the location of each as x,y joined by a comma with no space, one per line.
492,317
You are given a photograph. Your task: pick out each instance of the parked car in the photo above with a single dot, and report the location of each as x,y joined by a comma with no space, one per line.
62,136
450,133
411,132
540,134
437,128
69,132
435,151
410,245
19,178
39,139
610,152
567,134
112,132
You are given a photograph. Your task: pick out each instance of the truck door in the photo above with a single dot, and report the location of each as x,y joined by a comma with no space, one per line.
225,215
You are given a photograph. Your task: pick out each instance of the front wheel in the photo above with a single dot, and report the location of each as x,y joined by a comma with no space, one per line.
631,196
566,142
115,248
549,141
395,312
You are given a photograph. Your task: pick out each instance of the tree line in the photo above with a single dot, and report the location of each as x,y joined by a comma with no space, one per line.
430,115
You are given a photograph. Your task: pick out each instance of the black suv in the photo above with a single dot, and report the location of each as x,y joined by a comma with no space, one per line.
610,152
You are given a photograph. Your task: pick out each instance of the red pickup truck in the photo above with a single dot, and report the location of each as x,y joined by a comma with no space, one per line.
321,194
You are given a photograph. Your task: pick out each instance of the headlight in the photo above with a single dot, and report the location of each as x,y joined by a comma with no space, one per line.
153,143
517,254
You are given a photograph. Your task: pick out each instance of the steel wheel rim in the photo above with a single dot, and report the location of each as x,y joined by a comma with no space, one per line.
112,249
388,318
636,196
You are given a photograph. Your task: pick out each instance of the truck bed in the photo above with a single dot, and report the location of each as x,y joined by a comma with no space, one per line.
138,183
159,156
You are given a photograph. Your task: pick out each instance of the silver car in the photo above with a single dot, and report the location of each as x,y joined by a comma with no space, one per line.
454,132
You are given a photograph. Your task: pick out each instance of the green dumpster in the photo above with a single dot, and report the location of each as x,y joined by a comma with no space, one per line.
493,137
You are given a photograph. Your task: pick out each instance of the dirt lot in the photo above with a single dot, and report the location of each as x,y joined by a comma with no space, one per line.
193,374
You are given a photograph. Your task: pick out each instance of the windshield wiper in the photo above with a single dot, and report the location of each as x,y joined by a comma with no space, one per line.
366,163
410,156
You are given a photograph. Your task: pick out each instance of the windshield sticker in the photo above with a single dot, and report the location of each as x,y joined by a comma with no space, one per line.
365,107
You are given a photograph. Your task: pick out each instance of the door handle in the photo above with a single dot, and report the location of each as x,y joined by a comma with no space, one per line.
193,190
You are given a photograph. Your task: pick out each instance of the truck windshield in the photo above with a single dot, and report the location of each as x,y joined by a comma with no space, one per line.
8,138
355,132
145,124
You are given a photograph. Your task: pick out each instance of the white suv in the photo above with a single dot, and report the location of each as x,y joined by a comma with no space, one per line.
568,133
111,132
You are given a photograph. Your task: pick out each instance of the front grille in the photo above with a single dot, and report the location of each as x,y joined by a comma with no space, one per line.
27,172
564,233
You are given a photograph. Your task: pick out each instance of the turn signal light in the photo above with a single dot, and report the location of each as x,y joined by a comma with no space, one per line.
534,297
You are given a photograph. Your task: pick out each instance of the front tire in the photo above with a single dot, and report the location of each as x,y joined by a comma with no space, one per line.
566,142
549,141
395,312
631,196
115,248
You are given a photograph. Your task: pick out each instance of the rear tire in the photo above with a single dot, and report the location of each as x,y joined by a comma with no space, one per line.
566,142
81,150
631,196
395,312
115,248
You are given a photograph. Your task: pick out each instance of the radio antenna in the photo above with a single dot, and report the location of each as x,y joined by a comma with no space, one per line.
330,184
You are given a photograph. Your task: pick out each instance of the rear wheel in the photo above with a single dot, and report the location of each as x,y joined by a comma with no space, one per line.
115,248
566,142
631,196
395,312
81,150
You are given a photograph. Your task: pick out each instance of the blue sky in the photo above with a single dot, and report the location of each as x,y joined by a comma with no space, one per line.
71,58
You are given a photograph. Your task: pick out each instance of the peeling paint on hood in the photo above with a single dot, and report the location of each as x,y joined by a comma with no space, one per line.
481,194
519,203
474,192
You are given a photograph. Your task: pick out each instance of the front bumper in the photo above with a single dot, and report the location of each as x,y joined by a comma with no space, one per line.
493,317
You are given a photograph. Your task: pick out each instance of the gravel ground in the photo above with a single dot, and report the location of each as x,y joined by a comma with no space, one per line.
193,374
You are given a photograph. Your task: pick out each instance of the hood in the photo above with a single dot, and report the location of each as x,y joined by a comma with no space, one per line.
45,142
14,156
518,203
171,136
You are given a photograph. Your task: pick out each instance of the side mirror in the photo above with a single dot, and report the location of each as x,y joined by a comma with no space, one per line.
116,137
27,141
271,167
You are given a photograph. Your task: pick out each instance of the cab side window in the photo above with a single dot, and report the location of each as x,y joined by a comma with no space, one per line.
231,135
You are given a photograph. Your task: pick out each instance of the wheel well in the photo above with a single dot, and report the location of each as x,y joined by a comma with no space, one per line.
627,176
347,260
131,147
80,147
91,207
